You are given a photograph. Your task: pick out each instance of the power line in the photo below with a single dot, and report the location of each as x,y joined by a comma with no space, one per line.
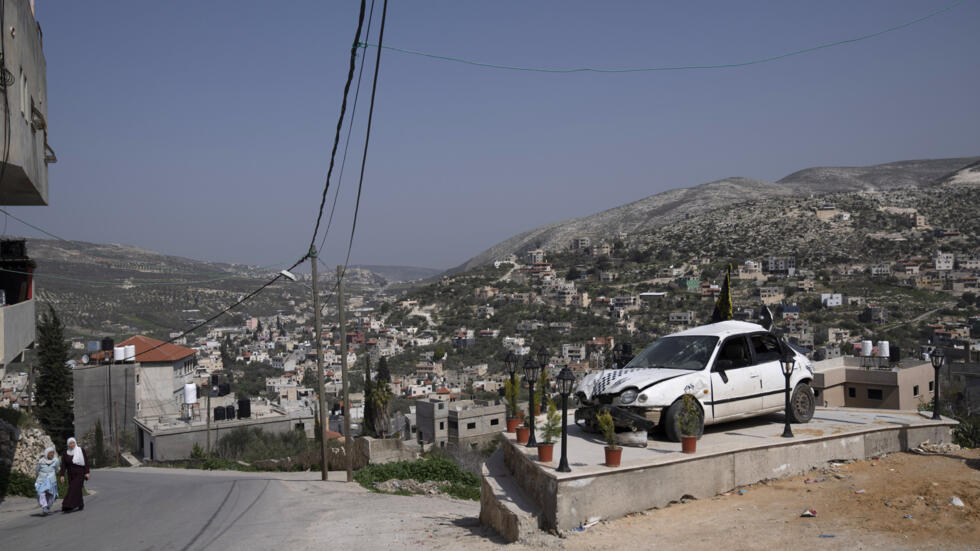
123,283
367,137
667,67
340,121
350,128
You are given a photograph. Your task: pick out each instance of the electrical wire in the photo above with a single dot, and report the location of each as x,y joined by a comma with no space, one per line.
6,102
350,128
367,138
340,122
668,67
121,283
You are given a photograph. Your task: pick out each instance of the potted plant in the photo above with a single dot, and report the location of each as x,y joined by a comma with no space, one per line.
539,392
550,431
614,453
511,393
690,423
524,432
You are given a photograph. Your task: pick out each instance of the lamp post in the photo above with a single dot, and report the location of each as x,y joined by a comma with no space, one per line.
937,363
531,370
618,355
511,362
566,380
786,362
627,353
543,356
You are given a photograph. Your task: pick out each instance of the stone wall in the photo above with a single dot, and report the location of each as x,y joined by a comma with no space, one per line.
31,445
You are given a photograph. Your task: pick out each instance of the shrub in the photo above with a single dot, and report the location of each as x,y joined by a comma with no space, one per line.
552,424
12,416
439,468
253,444
690,416
608,428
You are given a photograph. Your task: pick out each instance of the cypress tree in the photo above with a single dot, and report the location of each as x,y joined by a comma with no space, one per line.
53,392
383,373
723,308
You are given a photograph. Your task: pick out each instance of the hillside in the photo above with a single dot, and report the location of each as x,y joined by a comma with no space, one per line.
676,205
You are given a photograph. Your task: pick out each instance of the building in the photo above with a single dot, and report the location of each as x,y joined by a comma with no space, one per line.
684,318
23,169
535,256
581,243
461,424
782,265
150,387
843,382
943,261
830,300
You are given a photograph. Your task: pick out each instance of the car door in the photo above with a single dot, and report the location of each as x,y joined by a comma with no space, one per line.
766,351
736,390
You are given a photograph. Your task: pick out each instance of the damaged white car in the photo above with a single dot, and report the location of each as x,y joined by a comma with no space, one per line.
732,368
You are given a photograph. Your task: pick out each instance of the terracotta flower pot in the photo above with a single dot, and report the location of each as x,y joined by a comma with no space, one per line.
520,415
546,453
512,424
613,456
689,444
523,433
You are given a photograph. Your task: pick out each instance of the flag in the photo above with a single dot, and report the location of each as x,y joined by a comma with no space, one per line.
723,308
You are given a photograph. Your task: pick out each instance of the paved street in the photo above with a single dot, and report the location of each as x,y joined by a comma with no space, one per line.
163,509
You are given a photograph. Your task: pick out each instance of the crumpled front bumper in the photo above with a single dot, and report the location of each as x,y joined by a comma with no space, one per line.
645,419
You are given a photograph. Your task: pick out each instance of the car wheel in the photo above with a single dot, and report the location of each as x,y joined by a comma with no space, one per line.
801,404
672,422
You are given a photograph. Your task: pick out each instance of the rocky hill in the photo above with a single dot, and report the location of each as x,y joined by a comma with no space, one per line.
676,205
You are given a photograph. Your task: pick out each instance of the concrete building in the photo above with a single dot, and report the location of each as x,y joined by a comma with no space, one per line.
461,424
830,300
943,261
781,265
844,382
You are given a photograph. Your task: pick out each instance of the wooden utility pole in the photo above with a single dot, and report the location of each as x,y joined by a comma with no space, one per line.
348,441
208,417
115,428
322,399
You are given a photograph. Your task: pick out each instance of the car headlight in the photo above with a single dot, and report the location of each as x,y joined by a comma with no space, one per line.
628,396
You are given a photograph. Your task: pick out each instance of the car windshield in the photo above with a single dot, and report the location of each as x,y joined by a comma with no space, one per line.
681,352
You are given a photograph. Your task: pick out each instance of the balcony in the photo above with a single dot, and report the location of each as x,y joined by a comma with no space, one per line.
17,329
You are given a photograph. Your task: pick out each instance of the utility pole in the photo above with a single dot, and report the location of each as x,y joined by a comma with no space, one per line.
348,442
115,428
30,381
322,401
207,415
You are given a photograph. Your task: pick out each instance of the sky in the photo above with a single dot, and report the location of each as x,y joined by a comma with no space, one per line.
203,129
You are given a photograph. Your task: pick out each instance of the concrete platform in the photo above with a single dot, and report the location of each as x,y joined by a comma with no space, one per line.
728,455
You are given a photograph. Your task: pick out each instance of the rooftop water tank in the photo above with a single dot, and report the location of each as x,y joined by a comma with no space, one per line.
130,352
884,350
118,353
867,348
190,393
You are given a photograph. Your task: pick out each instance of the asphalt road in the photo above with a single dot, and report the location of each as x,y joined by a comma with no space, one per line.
172,509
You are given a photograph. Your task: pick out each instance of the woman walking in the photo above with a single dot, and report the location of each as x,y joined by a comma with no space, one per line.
76,466
47,480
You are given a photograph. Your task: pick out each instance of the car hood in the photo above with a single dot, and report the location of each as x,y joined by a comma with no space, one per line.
613,381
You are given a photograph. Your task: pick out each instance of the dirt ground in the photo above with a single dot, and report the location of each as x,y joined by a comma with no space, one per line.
905,504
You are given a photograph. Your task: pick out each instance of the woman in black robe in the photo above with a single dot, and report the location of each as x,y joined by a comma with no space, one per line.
75,465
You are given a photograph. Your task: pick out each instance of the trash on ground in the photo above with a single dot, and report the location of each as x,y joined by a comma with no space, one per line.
956,502
908,516
742,492
827,536
926,448
860,491
814,480
809,513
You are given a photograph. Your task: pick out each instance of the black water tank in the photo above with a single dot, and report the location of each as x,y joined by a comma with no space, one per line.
107,344
244,408
219,413
230,412
224,389
894,355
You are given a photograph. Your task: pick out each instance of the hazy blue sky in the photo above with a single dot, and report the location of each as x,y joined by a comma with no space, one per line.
203,129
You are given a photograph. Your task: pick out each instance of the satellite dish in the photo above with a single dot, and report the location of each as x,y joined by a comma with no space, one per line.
85,359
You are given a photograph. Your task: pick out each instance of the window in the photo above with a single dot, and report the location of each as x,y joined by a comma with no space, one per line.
453,425
470,426
915,390
494,422
931,385
735,350
414,429
137,378
441,425
766,348
874,394
851,393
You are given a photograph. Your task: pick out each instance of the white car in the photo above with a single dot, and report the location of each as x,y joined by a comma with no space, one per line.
732,368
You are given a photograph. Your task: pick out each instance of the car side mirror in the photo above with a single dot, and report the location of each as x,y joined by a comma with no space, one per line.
722,365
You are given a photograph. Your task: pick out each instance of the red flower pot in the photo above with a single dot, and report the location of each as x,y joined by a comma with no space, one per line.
523,433
512,424
613,456
689,444
546,453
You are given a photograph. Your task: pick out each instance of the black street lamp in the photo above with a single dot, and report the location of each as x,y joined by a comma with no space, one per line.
787,363
627,353
618,355
937,363
511,362
566,380
531,371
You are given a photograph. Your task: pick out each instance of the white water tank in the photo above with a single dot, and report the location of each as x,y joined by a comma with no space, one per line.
118,353
867,348
883,349
190,393
130,352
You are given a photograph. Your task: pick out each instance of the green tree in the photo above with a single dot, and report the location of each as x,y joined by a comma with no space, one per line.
53,393
100,458
369,390
384,374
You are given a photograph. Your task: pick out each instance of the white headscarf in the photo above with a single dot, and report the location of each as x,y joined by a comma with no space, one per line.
44,456
77,457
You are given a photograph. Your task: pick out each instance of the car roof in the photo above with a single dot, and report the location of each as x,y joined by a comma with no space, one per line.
722,329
